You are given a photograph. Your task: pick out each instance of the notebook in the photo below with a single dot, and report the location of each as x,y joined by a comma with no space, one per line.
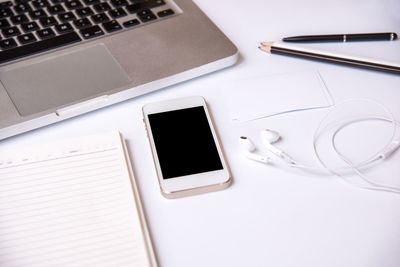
72,203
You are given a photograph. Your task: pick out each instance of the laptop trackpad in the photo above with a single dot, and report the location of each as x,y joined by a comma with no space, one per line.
63,79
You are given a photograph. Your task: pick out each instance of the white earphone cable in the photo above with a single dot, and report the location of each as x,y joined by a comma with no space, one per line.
339,126
269,137
355,168
376,158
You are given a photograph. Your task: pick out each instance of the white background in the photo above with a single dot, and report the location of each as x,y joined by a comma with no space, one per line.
269,216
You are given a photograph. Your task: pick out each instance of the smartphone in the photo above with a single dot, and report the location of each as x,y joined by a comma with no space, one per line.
187,154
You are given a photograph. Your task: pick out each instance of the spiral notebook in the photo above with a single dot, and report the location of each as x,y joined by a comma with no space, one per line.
72,203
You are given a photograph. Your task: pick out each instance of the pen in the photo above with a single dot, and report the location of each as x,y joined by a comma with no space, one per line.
388,36
324,56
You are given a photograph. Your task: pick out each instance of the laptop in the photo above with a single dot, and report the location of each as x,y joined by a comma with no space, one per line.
63,58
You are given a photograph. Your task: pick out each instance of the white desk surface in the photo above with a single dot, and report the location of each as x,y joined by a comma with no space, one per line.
269,216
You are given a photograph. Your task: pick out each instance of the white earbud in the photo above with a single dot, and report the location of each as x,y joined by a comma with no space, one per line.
268,137
248,148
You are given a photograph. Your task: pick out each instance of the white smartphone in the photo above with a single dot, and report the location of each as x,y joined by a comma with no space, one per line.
187,154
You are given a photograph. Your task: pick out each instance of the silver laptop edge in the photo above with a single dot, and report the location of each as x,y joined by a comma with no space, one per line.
206,47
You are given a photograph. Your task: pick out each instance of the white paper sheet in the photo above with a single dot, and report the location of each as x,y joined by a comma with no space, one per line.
262,96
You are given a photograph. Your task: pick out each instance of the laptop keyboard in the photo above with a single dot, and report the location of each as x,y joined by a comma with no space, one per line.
30,27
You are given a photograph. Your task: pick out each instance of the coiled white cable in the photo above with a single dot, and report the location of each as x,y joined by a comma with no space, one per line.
378,157
269,137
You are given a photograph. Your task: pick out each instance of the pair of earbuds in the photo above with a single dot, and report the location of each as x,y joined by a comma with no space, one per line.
268,138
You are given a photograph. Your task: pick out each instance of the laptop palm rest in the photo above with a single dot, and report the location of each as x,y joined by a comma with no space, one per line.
63,80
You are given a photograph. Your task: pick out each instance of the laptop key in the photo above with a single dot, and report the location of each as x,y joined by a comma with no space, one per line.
91,2
100,18
26,38
57,1
73,4
5,4
119,3
152,3
45,33
18,19
8,43
144,12
92,32
84,12
6,12
101,7
9,32
36,14
4,23
82,23
131,23
64,28
68,16
38,47
136,7
112,26
148,17
117,13
133,8
57,9
40,3
164,13
30,26
22,8
48,21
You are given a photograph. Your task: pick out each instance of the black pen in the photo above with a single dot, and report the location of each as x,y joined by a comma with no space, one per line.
329,57
387,36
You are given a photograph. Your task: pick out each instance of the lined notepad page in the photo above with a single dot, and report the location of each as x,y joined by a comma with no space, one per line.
71,203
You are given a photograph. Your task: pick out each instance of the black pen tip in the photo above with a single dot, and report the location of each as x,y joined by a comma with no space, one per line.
289,39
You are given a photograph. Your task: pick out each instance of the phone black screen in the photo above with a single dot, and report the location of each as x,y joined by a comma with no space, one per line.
184,142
